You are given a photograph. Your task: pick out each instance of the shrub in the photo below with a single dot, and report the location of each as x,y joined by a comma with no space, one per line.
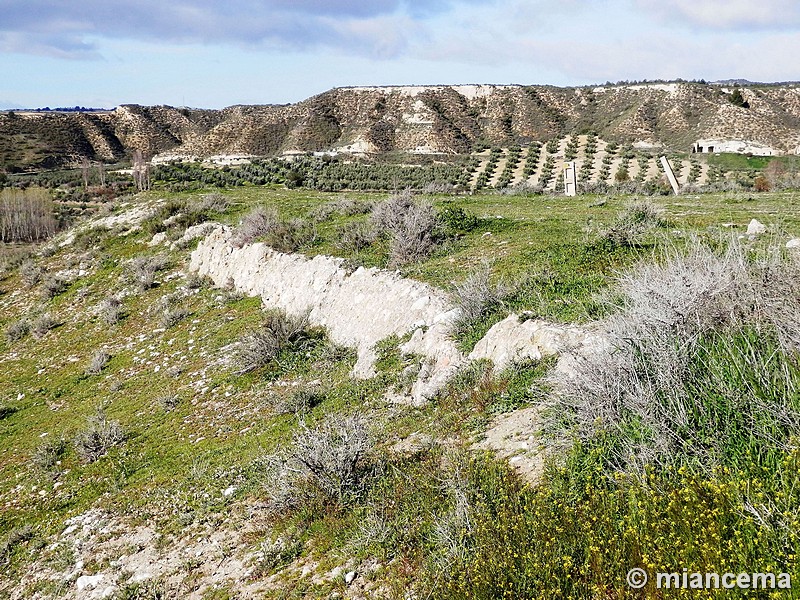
291,235
284,236
98,362
456,220
633,223
453,528
700,368
277,333
30,272
174,315
11,257
410,227
195,281
98,438
181,214
213,202
387,216
300,401
524,188
168,401
737,98
15,537
354,237
90,238
42,324
258,222
439,187
332,454
18,330
475,296
52,286
49,452
6,410
110,310
761,184
344,206
142,270
152,589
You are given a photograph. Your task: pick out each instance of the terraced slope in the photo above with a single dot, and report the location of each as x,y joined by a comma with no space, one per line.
596,162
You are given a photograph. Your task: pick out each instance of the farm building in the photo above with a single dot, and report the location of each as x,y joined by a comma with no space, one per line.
733,146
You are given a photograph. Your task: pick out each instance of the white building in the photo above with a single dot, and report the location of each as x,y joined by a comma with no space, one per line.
733,146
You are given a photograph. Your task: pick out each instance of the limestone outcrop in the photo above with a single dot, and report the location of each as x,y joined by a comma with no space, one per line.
365,306
516,338
358,308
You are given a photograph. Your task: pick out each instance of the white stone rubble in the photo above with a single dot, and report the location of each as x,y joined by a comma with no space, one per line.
364,307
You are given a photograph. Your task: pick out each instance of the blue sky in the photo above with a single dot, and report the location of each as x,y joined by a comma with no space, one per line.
212,54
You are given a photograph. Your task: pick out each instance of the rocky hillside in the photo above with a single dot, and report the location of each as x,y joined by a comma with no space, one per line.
429,119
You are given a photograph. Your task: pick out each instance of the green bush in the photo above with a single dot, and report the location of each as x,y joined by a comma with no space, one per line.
632,224
457,220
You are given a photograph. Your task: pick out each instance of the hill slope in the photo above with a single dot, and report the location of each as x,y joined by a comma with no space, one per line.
425,119
144,454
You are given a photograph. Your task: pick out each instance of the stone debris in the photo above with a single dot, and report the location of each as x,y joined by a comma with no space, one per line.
359,309
755,227
158,239
364,307
85,582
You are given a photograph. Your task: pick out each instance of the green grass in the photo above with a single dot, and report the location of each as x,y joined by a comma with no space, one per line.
744,162
171,470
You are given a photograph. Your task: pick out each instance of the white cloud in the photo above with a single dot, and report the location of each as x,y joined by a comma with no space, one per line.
36,26
614,40
727,14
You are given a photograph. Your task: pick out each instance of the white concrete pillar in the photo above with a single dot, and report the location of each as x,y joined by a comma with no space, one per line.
570,179
670,175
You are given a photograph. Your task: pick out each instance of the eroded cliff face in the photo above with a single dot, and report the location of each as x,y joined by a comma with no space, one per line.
424,119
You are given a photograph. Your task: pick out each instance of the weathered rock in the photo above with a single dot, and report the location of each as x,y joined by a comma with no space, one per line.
756,228
512,340
358,309
414,444
793,243
194,232
88,582
514,436
443,358
158,239
364,307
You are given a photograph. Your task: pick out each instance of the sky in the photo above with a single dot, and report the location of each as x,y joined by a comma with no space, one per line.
201,53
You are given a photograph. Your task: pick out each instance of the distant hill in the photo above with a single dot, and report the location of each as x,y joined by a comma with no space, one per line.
416,119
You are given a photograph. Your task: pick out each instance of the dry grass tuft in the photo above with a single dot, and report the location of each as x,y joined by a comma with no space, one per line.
702,340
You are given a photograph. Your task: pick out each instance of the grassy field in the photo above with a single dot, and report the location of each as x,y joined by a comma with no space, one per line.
194,427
